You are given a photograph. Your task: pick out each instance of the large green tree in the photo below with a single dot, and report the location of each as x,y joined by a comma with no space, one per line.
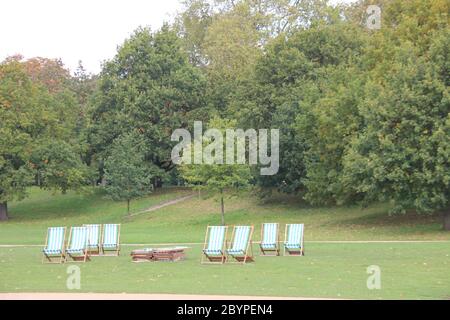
227,37
36,130
293,87
403,153
149,87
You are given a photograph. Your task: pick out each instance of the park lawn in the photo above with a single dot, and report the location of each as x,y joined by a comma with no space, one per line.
417,270
408,271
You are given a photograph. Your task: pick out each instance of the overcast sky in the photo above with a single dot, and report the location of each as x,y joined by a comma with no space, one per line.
73,30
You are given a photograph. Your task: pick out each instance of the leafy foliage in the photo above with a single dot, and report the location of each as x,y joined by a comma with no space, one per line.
217,178
126,173
149,87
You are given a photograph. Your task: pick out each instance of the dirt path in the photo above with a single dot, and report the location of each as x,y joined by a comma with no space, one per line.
129,296
162,205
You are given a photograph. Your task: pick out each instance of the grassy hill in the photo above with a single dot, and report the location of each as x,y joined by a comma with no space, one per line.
186,221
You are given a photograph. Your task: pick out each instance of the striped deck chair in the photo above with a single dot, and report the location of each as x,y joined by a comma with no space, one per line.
94,232
77,247
241,244
54,245
270,239
111,239
293,243
215,244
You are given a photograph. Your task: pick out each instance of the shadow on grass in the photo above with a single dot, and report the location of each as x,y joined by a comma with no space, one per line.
42,205
55,206
276,199
380,218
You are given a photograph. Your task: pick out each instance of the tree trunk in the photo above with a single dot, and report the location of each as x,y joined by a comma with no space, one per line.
157,183
223,210
128,206
3,211
447,220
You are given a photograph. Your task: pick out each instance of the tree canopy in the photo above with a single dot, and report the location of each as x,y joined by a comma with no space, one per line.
363,113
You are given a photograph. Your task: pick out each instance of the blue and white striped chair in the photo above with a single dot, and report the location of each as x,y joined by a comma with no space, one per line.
215,244
77,247
293,243
54,245
241,244
94,232
111,239
270,239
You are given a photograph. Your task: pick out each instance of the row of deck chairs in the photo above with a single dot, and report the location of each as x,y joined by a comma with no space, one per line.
240,249
83,242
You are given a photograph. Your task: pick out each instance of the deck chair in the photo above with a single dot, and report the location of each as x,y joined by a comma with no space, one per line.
77,247
94,232
54,245
111,239
293,243
270,239
215,244
241,244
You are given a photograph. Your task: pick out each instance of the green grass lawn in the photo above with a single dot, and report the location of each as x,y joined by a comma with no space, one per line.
338,270
415,271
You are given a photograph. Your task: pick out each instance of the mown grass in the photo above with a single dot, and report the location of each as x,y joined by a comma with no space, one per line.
408,271
337,270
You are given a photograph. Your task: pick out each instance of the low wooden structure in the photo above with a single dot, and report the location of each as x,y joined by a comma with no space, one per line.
159,254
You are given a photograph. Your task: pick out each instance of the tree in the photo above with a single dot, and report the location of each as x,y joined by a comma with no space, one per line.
403,153
59,167
36,120
191,25
230,47
217,179
27,117
148,87
126,173
307,85
226,37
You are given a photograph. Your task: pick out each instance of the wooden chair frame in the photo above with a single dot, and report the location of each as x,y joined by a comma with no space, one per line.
77,258
61,256
277,244
242,259
214,259
294,253
117,249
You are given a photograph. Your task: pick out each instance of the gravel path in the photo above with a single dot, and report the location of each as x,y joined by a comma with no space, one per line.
162,205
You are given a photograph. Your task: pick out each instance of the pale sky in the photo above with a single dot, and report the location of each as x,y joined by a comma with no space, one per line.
73,30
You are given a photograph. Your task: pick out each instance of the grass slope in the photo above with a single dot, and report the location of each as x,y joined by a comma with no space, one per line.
186,221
